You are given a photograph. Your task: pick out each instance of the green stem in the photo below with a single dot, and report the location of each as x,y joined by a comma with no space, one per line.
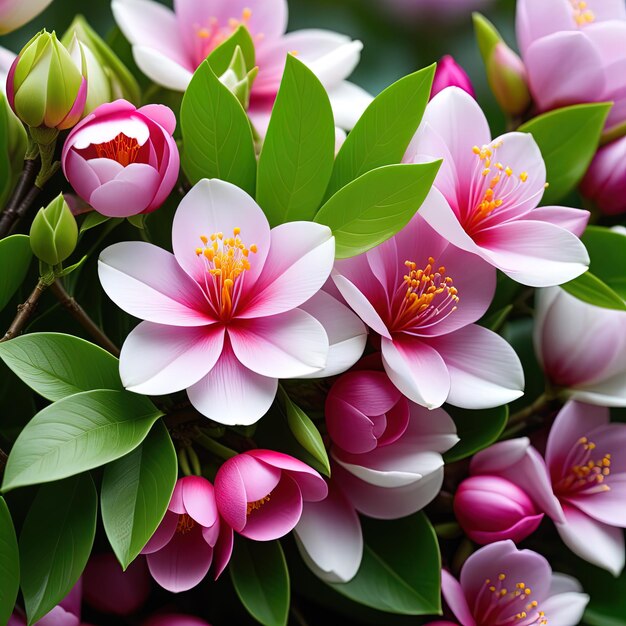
183,462
213,446
194,460
538,405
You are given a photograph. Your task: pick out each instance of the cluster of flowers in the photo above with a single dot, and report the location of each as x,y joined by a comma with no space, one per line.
239,306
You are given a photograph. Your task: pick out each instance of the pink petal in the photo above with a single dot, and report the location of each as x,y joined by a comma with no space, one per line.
170,165
349,428
80,175
608,507
147,282
59,617
368,392
163,534
162,115
574,220
454,596
162,69
536,19
223,549
567,602
105,169
199,500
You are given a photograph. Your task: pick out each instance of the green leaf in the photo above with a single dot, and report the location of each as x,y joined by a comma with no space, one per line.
376,206
217,137
259,573
221,57
568,139
15,253
385,130
607,606
607,250
9,564
136,490
78,433
401,567
56,541
592,290
57,365
298,152
476,430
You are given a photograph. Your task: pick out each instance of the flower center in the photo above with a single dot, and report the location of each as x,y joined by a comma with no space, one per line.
185,524
496,605
582,14
122,149
428,294
585,475
225,260
257,504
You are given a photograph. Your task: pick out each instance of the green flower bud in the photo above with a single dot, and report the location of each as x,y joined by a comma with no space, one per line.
108,78
54,232
238,79
45,86
12,150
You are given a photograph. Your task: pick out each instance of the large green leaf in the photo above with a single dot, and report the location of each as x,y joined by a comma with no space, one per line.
15,257
591,289
401,567
385,130
9,564
375,206
57,365
568,139
136,490
298,152
259,573
220,58
476,430
78,433
607,251
217,137
56,541
607,606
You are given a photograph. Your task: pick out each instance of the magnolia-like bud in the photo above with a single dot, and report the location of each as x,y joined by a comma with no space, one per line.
450,74
490,508
16,145
54,232
238,79
45,87
108,78
16,13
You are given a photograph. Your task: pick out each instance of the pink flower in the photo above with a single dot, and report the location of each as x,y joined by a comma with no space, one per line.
581,485
16,13
491,190
66,613
500,584
222,316
574,52
450,74
168,47
260,493
581,347
122,160
490,508
422,295
190,538
605,180
174,619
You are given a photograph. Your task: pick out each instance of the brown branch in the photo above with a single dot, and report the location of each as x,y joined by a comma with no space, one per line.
21,199
24,312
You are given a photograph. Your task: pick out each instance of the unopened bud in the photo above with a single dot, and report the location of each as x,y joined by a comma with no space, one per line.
450,74
507,78
238,79
54,232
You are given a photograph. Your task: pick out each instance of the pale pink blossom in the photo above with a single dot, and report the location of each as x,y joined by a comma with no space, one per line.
491,190
260,493
581,347
169,45
450,74
422,295
121,160
222,316
501,585
581,484
191,537
16,13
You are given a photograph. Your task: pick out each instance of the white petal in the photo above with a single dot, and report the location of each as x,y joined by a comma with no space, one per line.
349,102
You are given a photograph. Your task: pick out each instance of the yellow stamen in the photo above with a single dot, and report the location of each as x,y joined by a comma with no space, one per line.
257,504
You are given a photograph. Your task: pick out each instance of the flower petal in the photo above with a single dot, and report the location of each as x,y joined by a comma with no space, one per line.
349,102
163,534
162,69
566,602
199,500
454,596
574,220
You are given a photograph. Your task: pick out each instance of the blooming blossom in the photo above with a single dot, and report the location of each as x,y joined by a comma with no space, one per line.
168,47
222,316
422,295
190,538
581,347
492,189
581,484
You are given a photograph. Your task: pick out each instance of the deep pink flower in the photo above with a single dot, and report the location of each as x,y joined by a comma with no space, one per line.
581,484
450,74
574,52
491,508
190,538
501,586
491,190
168,47
222,312
174,619
581,347
422,295
122,160
260,493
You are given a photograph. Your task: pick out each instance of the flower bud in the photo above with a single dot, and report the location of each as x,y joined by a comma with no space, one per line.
108,78
54,233
238,79
45,87
450,74
16,145
507,78
16,13
490,508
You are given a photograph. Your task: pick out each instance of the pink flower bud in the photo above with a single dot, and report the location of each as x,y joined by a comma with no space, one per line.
507,79
605,181
450,74
490,508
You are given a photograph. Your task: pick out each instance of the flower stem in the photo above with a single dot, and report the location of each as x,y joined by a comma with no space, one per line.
15,208
24,311
538,405
214,447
